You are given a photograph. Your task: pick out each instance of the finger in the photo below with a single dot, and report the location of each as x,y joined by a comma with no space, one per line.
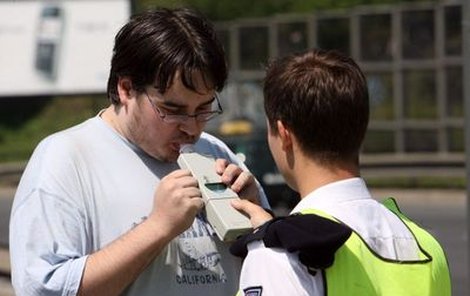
245,206
183,177
188,181
257,214
230,173
178,173
197,203
220,165
192,192
242,181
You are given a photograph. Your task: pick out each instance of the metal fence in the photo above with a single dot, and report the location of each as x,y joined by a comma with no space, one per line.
410,53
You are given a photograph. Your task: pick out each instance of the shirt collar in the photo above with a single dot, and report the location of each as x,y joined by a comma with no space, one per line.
334,193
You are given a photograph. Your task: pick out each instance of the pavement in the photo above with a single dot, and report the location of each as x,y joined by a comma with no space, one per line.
5,287
5,194
5,284
4,261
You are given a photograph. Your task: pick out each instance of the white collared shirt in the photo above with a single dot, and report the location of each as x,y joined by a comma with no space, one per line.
276,272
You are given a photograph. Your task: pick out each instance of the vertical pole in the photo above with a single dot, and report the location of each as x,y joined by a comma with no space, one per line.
133,6
466,84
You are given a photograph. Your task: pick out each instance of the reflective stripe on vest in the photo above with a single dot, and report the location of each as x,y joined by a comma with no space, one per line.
357,270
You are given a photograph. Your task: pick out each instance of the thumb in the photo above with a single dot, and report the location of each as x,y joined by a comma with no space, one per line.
243,205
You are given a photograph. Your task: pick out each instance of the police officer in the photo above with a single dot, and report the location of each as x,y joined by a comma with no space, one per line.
338,240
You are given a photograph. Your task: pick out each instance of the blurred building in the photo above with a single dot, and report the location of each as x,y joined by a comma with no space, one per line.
412,57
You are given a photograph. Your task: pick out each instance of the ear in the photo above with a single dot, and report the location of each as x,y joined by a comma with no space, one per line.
125,90
284,135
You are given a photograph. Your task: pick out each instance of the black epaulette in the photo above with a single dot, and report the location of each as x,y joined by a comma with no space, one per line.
315,238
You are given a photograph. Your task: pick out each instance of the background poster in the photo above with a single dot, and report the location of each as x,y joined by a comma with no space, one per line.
57,47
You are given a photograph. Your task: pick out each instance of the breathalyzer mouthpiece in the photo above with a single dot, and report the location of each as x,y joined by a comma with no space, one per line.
186,148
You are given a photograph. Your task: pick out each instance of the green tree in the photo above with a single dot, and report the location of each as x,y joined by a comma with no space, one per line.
218,10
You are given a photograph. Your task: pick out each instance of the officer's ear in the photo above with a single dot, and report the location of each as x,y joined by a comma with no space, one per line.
285,136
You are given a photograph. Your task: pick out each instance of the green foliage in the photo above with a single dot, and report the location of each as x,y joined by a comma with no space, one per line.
218,10
147,4
23,128
225,10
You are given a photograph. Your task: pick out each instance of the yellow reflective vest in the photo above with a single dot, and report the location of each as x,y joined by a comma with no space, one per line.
357,270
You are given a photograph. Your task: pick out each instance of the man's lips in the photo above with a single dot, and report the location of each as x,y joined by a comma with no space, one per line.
177,145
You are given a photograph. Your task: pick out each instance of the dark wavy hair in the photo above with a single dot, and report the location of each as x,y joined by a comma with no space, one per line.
322,97
156,44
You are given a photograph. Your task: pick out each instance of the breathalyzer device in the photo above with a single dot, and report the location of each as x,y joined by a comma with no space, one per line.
227,222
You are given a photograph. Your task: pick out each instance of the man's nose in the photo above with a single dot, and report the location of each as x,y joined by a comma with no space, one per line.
191,126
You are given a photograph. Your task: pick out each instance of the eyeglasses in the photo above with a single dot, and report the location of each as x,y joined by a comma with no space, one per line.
182,118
